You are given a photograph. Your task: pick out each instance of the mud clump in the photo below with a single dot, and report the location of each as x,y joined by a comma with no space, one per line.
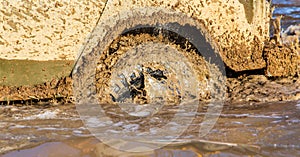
282,60
259,88
282,53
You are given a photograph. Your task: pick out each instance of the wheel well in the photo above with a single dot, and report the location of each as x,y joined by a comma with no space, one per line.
187,37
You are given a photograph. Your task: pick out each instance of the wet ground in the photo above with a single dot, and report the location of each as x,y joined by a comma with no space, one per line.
262,119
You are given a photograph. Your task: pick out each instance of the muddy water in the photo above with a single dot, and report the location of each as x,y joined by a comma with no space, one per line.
269,129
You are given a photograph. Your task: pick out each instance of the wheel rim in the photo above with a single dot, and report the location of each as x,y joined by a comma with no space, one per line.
149,74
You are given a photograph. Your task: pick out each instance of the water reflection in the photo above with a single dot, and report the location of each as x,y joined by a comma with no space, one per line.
91,147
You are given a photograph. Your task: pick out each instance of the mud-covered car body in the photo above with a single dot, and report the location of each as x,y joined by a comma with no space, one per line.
41,40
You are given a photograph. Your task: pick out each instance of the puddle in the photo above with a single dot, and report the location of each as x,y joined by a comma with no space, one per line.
270,129
90,147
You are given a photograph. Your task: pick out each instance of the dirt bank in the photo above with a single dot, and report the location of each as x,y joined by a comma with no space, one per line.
47,92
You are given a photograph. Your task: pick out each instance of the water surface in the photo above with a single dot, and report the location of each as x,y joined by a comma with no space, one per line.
270,129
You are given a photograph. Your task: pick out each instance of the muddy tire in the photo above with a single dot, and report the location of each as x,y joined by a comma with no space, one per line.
112,49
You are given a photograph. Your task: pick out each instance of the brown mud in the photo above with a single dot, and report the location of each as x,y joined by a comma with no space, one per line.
57,89
282,60
251,88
